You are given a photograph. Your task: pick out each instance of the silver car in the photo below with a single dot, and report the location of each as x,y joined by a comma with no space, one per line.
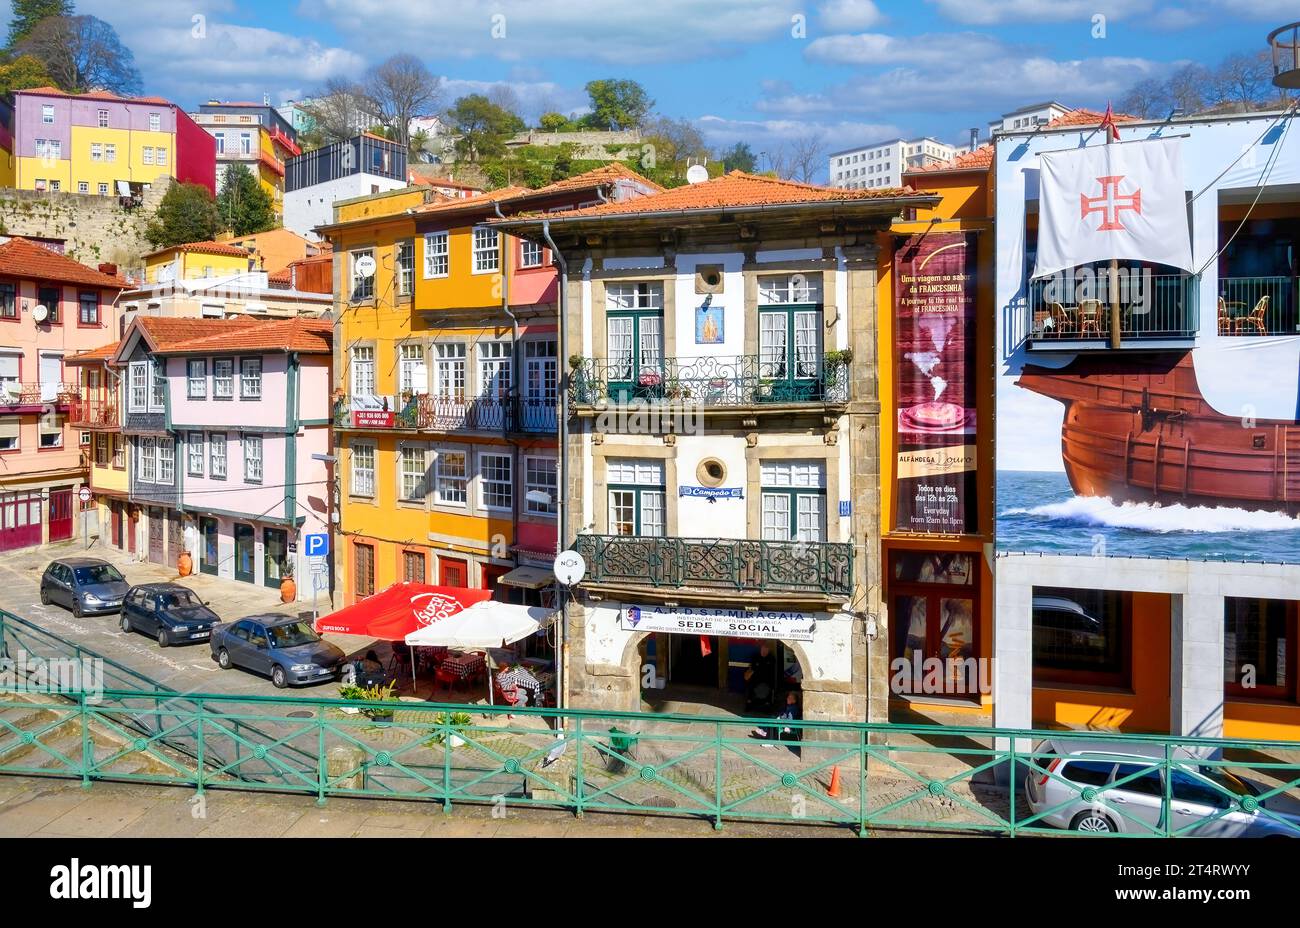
1102,787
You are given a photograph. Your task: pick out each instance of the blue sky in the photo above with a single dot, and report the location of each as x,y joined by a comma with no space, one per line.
764,71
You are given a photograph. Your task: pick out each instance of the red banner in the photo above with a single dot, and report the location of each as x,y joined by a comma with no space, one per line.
934,383
372,418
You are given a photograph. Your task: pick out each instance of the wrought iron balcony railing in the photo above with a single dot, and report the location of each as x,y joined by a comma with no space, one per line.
15,393
447,413
720,382
738,564
1152,307
94,413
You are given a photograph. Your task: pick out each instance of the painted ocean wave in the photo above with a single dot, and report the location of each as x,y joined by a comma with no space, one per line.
1102,512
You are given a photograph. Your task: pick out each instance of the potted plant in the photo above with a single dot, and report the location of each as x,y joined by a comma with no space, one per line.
288,588
456,721
372,694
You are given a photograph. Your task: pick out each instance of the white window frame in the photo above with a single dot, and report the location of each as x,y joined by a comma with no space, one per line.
195,451
404,269
355,279
456,483
362,374
138,387
531,254
251,448
166,462
412,369
157,385
500,483
418,455
146,460
540,474
218,456
485,252
437,255
361,469
250,385
196,388
228,381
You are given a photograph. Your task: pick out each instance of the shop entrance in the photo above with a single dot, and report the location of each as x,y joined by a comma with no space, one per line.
707,673
935,603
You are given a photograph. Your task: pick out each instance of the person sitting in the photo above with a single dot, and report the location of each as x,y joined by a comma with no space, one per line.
789,713
522,682
760,681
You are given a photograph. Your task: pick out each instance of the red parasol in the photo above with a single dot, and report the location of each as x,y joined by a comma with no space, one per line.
399,610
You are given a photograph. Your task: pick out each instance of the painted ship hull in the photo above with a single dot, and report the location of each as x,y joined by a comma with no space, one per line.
1140,430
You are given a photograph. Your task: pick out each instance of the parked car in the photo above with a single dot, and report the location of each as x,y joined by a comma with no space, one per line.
84,585
1206,800
280,646
170,612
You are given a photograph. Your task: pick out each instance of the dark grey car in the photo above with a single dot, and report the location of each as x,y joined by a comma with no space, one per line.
171,613
279,646
83,584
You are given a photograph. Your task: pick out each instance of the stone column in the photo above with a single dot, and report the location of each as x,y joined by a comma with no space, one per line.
870,690
1196,665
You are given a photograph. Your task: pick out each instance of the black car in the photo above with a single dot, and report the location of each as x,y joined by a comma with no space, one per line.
84,585
280,646
169,612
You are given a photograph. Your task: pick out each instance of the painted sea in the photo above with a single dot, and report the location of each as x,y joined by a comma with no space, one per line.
1038,511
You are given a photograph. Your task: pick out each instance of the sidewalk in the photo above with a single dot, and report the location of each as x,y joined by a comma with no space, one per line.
47,808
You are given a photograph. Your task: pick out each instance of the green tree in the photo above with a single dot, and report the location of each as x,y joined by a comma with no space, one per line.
244,207
23,72
740,157
617,104
187,213
556,122
27,13
483,127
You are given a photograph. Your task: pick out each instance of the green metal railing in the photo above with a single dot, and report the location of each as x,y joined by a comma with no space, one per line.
719,563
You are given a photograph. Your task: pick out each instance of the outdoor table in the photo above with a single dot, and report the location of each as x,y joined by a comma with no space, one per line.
462,665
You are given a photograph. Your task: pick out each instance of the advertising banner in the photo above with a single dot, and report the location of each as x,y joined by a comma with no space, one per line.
934,383
737,623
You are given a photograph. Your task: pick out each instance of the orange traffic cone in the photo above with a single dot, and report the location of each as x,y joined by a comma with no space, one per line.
834,790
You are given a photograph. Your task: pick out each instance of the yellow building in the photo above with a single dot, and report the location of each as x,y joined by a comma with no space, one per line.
254,135
195,261
98,412
103,144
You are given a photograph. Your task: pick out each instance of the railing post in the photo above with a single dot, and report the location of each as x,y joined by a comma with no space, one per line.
1011,786
862,783
446,763
322,765
87,749
717,776
200,712
1167,800
580,781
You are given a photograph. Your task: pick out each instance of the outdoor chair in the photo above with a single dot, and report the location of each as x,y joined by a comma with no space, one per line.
1254,319
1059,319
1225,320
1090,317
620,748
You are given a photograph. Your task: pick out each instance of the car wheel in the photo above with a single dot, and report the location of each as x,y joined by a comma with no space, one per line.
126,624
45,597
1092,822
278,678
164,639
76,609
223,659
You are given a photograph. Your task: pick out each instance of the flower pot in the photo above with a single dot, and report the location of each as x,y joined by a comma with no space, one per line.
185,564
288,590
456,741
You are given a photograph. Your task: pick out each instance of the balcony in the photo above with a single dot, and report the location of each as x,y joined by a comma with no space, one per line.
712,382
719,565
1258,306
1284,44
94,414
35,396
425,412
1156,311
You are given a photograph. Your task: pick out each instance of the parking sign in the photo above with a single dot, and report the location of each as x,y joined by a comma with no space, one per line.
317,545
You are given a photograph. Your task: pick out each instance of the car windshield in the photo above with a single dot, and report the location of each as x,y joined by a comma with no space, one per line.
178,599
288,636
1226,780
99,573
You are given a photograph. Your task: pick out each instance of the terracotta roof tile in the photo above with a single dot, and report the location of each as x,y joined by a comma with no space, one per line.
206,248
102,353
478,201
304,335
1083,117
981,159
736,190
605,174
94,95
22,258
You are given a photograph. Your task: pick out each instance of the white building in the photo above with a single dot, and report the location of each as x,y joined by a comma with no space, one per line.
1027,117
882,164
316,180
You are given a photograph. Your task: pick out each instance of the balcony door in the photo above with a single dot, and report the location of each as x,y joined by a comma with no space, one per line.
635,351
637,498
541,386
794,500
789,352
51,372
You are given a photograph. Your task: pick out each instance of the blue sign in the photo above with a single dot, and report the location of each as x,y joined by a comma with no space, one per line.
317,545
712,492
846,507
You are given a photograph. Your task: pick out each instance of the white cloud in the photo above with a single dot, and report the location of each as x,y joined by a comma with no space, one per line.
761,134
845,15
991,12
871,48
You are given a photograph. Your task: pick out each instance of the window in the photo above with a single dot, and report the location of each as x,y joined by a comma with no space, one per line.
1078,636
405,268
96,151
363,288
9,433
110,152
450,485
83,186
449,371
88,308
47,114
250,379
8,308
776,289
413,564
146,460
413,373
494,371
100,445
636,496
412,460
1259,648
486,256
221,142
217,455
223,378
363,469
56,185
158,393
139,387
84,439
147,155
51,431
252,458
166,461
245,143
155,122
119,452
161,154
103,118
635,295
194,449
494,480
197,380
41,185
436,262
540,476
103,190
50,298
794,500
363,370
530,254
364,569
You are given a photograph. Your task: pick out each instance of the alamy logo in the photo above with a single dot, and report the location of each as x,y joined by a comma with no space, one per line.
103,881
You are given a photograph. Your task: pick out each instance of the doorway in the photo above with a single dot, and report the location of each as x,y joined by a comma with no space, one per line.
452,572
275,542
156,527
245,568
61,514
208,556
935,605
693,660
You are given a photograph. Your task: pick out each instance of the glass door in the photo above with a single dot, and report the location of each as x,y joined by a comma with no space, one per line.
275,546
208,558
789,353
245,569
635,344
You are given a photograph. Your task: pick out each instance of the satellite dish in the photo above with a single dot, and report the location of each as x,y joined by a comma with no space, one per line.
569,567
40,313
365,266
697,174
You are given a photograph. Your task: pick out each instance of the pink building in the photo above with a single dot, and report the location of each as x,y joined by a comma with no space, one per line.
51,308
226,422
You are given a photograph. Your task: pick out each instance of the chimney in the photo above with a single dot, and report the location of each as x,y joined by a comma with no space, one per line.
109,269
974,138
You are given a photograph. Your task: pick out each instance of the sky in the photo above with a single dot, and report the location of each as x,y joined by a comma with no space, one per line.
762,71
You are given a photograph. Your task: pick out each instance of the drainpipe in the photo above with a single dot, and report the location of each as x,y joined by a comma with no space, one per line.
513,395
562,504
